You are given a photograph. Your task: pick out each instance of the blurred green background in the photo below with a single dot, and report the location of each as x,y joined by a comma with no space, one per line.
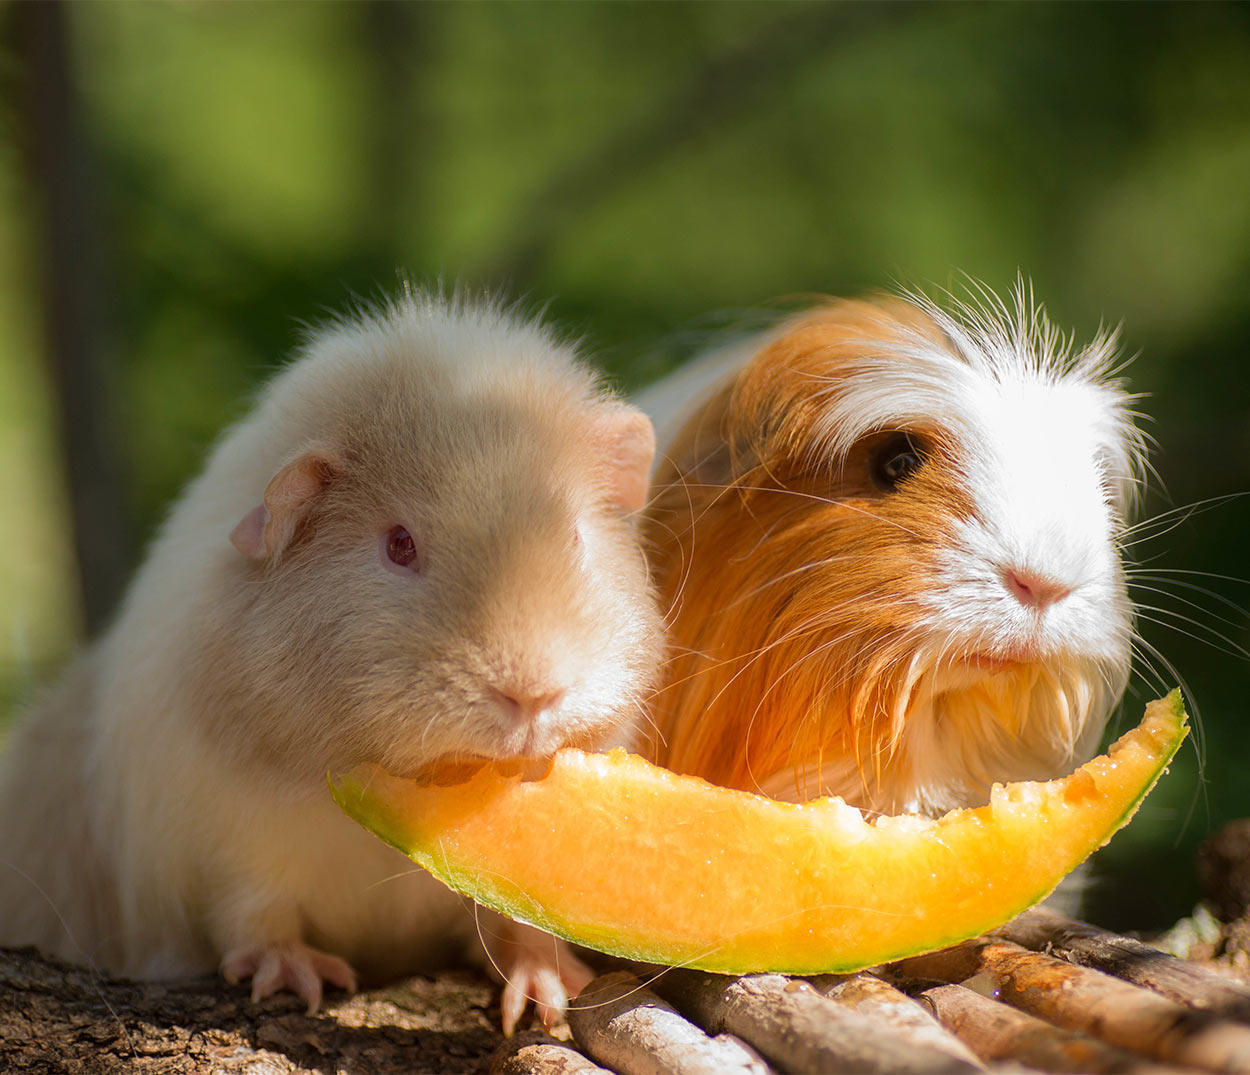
183,186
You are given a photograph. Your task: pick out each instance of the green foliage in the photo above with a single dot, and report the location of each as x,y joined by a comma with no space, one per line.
650,170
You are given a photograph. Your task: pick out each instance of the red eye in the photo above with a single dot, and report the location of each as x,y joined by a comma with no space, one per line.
401,549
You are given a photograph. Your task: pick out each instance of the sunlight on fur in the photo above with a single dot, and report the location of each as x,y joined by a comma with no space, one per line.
889,547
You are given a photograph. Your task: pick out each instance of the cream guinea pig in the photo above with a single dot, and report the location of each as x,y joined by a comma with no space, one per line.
888,539
417,547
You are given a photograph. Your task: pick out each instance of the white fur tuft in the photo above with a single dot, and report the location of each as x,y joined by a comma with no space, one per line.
1035,460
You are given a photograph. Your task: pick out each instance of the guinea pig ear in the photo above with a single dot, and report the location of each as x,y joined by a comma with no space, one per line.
267,530
624,435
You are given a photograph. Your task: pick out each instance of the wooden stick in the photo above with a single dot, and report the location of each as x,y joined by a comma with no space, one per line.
953,964
996,1032
628,1028
1044,930
799,1029
912,1021
1092,1002
536,1053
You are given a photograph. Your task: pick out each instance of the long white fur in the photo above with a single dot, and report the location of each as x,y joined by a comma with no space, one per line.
139,836
1049,451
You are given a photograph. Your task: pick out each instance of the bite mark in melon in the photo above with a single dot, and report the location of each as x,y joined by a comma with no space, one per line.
617,854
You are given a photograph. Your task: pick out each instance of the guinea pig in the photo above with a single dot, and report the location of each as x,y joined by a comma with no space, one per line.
889,543
417,548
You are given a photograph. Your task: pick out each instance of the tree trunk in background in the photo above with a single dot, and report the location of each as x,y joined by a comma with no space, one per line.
394,38
66,231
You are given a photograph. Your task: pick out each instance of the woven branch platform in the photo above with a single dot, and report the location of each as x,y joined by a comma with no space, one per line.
1044,993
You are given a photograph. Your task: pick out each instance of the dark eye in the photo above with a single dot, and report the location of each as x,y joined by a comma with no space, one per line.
895,459
401,549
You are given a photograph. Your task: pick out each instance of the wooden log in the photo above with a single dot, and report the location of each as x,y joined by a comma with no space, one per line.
536,1053
954,964
1087,1000
912,1021
797,1028
1044,930
997,1033
626,1027
57,1019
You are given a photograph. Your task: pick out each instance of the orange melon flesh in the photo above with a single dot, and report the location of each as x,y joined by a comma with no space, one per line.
614,853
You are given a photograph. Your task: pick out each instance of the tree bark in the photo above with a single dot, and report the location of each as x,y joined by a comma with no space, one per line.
798,1028
623,1025
1044,930
57,1019
61,167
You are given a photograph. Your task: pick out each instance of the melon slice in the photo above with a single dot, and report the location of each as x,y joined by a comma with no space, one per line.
614,853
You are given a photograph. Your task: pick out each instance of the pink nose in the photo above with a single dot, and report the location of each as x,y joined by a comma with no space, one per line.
523,706
1033,590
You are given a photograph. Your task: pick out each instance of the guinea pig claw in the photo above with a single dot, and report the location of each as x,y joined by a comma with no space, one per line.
512,1004
292,966
543,986
535,967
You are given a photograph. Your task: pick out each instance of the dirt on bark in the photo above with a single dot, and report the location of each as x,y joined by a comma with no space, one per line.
57,1019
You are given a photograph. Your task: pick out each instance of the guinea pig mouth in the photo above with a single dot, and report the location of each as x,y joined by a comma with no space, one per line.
993,662
459,770
970,668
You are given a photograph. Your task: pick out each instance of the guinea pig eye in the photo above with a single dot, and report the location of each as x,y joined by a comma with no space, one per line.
895,459
401,549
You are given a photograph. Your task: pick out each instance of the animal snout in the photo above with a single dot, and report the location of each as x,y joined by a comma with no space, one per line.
1033,589
523,705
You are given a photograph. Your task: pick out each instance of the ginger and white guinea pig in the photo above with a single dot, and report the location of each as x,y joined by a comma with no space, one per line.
417,547
888,543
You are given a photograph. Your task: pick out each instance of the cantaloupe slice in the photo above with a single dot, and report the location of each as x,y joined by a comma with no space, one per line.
614,853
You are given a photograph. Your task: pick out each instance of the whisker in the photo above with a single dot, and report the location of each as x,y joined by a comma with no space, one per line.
800,494
1162,578
1204,574
1225,645
802,569
1191,699
1167,521
1193,605
1155,682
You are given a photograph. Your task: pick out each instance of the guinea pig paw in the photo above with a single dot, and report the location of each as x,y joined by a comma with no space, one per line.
293,966
535,967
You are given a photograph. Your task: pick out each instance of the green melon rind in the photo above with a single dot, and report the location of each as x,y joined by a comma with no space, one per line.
1178,732
502,896
499,894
